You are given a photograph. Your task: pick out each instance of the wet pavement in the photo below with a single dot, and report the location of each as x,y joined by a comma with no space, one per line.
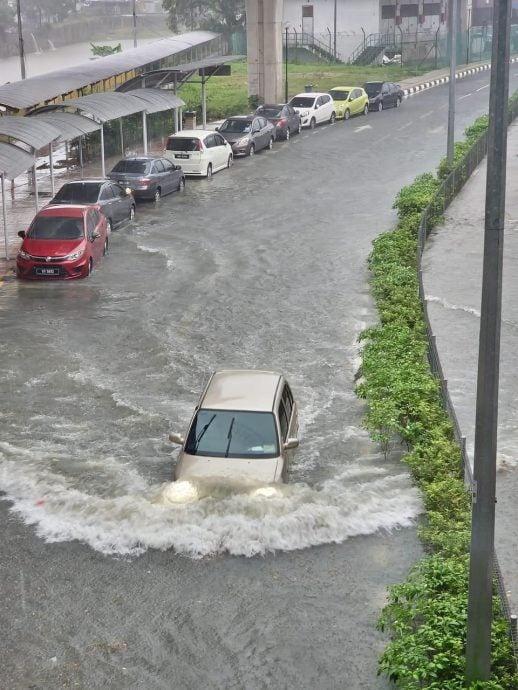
453,278
264,266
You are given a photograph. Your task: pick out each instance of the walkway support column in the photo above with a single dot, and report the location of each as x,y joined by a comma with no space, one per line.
203,99
35,177
103,166
51,166
121,136
264,47
144,130
4,215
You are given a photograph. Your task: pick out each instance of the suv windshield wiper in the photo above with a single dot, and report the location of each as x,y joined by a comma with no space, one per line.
229,436
202,432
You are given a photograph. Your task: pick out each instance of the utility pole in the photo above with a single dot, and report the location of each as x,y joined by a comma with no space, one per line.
20,39
286,68
452,50
480,614
134,23
334,29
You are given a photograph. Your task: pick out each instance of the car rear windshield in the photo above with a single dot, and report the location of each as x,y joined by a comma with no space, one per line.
236,126
79,193
56,228
132,167
339,95
229,434
373,88
302,102
270,112
182,144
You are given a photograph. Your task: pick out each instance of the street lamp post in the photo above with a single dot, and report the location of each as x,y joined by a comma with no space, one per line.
452,49
480,612
334,29
20,39
134,23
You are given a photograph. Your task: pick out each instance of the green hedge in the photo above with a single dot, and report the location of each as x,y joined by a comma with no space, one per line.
426,615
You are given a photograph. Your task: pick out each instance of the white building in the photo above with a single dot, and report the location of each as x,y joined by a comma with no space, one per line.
415,18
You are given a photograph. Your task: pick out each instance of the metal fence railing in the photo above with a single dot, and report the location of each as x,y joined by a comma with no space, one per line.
445,194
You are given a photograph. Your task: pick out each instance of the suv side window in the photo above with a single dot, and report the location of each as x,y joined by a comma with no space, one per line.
106,193
256,125
168,166
219,140
283,420
287,400
117,191
209,141
385,89
158,167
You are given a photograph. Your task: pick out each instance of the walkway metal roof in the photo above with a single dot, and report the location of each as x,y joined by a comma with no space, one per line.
30,92
158,77
71,125
110,105
14,160
156,100
30,132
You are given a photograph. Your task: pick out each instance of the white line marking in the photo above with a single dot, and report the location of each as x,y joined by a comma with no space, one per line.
421,117
362,128
483,87
466,96
408,124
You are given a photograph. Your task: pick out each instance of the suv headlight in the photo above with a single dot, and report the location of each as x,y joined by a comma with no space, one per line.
24,255
75,255
244,141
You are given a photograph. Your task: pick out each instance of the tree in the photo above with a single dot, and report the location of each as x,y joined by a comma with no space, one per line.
224,16
6,15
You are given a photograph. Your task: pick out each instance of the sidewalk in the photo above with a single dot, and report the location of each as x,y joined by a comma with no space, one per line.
452,276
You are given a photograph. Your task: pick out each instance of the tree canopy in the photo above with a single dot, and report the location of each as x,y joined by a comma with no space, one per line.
225,16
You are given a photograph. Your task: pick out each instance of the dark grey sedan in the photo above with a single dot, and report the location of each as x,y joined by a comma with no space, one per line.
248,134
283,117
116,202
383,94
148,177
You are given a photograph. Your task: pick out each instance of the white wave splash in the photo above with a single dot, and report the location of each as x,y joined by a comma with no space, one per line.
360,500
454,307
157,250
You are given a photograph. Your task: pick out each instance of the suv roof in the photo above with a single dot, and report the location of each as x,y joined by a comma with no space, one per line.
241,389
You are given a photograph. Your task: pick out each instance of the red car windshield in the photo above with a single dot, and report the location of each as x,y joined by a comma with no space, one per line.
56,228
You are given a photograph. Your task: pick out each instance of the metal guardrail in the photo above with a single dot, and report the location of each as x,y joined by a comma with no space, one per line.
385,40
447,191
299,39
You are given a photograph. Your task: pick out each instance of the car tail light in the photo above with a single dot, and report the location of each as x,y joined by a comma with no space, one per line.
282,122
199,146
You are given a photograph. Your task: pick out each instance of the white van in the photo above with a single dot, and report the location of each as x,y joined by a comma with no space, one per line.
199,152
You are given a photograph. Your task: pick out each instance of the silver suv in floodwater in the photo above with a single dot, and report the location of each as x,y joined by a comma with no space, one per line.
244,427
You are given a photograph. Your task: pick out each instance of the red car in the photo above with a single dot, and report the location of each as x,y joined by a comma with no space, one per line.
63,242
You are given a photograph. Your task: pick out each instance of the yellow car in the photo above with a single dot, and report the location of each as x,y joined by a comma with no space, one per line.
349,100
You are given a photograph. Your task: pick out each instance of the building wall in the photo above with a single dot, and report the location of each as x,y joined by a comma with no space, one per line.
352,15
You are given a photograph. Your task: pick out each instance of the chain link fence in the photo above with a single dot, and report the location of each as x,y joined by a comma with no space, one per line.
431,216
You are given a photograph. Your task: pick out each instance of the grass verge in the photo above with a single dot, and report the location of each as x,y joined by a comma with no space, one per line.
229,95
427,614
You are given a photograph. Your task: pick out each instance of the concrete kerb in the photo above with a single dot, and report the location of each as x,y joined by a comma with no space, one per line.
461,74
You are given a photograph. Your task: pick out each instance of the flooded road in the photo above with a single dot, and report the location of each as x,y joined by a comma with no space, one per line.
261,267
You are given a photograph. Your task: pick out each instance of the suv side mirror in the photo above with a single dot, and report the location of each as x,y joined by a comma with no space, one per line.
21,233
177,438
217,128
95,235
291,443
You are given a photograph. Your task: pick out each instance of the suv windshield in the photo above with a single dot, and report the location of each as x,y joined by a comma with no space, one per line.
182,144
228,434
236,126
339,95
132,167
79,193
302,102
56,228
373,88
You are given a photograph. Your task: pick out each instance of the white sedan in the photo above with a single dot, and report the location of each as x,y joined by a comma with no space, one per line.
199,152
314,108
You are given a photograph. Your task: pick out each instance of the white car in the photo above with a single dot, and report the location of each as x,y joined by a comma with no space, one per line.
314,108
244,427
199,152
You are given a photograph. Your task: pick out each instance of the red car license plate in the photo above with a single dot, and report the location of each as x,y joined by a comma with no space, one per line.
47,271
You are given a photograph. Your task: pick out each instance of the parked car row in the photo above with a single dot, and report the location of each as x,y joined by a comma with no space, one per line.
70,235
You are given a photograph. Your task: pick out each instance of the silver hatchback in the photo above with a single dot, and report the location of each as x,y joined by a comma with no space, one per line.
244,428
